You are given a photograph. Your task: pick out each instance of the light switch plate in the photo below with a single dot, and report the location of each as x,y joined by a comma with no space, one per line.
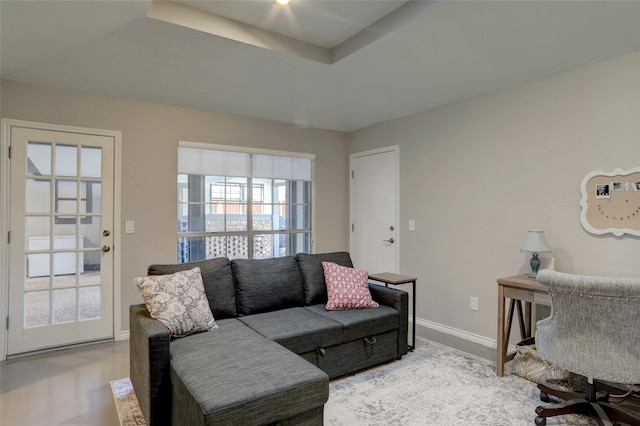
129,227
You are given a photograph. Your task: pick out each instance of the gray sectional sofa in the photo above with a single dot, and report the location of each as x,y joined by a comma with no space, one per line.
270,360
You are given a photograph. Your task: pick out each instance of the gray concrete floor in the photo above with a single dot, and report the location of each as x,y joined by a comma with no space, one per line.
66,387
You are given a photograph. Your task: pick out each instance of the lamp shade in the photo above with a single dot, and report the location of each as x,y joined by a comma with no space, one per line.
535,242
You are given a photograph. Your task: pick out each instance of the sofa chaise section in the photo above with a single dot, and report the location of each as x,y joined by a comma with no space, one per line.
235,376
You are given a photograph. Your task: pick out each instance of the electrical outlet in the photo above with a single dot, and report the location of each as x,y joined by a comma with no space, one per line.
474,304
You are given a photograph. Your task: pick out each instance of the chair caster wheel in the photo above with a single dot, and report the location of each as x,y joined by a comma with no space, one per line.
541,421
544,397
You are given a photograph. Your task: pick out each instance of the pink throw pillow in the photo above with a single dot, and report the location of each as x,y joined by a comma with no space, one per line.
347,288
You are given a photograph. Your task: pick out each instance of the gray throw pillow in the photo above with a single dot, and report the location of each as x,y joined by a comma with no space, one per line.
217,278
265,285
178,301
315,286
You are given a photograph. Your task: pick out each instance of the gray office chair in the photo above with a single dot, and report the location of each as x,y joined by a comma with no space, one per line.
593,330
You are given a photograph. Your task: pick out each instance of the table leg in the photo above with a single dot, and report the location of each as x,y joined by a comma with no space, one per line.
502,351
523,328
413,335
528,323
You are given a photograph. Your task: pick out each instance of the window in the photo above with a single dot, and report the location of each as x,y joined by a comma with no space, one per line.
242,204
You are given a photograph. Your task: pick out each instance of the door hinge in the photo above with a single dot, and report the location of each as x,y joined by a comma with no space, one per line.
353,227
9,152
7,323
9,237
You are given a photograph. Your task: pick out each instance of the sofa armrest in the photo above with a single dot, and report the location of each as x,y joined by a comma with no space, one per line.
149,365
399,300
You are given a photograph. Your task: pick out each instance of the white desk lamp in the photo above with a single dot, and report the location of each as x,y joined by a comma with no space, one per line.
535,244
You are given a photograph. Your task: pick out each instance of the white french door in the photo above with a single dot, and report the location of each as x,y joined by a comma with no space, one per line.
61,236
374,210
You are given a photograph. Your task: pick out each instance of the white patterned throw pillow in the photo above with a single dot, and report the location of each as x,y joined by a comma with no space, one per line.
347,288
178,301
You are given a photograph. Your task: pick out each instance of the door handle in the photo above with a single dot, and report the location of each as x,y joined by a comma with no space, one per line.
106,249
390,240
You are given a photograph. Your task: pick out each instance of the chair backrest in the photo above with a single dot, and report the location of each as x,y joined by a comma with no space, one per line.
594,327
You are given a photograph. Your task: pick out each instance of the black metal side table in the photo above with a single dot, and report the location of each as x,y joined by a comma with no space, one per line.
397,279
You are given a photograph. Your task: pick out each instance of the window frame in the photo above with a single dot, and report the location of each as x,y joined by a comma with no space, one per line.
250,233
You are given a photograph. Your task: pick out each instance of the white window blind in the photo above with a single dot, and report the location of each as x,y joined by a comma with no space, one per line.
202,161
195,161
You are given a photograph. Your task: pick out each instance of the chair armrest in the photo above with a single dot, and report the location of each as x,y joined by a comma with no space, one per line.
149,365
399,300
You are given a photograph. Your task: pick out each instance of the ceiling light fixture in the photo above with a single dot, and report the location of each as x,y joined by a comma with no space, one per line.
282,2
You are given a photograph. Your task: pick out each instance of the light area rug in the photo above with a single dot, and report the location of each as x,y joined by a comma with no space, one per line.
127,403
434,385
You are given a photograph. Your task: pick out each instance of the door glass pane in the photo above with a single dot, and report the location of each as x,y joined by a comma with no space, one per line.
64,305
64,268
64,238
90,232
90,196
38,196
37,308
38,265
38,232
37,283
91,162
66,196
89,303
39,159
66,160
90,274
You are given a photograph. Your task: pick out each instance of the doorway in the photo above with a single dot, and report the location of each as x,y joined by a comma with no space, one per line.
374,242
60,256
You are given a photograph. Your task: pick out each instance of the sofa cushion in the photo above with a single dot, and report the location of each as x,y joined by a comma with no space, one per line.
315,287
217,278
236,376
264,285
178,301
297,329
359,323
347,288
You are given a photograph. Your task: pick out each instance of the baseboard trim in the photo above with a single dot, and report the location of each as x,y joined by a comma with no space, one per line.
124,335
456,332
471,343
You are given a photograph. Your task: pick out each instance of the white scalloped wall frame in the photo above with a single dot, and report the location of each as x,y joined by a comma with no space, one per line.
611,202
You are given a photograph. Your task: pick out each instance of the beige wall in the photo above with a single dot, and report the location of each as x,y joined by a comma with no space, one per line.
150,133
475,175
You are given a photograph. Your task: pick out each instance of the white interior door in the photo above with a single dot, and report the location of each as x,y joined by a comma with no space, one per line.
61,228
374,210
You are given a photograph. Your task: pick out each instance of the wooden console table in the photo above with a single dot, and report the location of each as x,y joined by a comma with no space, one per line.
518,288
397,279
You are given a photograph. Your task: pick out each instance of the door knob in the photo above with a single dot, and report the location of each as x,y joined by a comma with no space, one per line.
390,240
106,249
106,233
